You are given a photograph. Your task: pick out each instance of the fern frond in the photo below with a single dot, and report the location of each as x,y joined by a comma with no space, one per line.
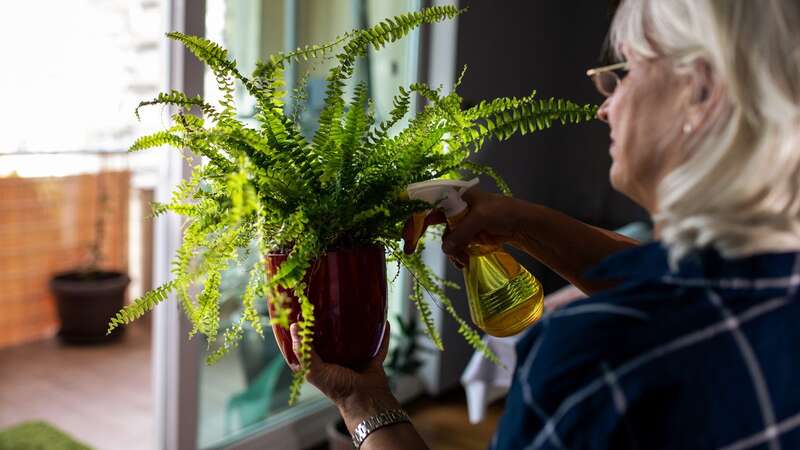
400,106
504,117
424,279
306,333
157,139
469,334
481,169
426,315
208,52
185,300
356,126
231,339
182,192
460,78
206,320
393,29
281,308
413,263
177,98
385,32
183,209
329,125
293,269
142,305
254,288
279,60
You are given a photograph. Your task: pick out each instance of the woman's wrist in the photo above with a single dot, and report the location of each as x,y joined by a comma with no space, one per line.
359,406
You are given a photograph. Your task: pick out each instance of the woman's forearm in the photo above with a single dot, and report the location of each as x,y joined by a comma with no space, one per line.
567,246
398,436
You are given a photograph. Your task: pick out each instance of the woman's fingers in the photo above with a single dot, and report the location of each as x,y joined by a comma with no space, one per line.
317,365
415,227
294,331
456,263
472,195
454,244
435,217
377,361
315,361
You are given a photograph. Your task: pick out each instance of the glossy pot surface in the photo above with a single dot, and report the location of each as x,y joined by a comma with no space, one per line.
348,290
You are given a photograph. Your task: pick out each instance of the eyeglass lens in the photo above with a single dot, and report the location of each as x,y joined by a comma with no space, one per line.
606,82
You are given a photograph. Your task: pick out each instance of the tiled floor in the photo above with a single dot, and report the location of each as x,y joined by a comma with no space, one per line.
444,424
100,395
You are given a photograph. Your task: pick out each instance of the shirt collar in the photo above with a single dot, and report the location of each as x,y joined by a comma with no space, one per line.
642,262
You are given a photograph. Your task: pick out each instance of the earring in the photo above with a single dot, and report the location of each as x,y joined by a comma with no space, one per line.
687,128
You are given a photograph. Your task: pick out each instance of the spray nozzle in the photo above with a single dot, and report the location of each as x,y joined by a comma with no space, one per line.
443,194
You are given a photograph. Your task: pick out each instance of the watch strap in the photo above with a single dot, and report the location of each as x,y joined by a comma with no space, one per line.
372,423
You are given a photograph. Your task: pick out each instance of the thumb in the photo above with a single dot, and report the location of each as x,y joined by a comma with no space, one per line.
377,361
314,361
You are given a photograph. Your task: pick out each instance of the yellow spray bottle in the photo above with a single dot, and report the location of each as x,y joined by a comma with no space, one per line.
504,298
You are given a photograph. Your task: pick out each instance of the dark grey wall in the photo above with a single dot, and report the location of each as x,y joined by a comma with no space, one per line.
511,48
515,46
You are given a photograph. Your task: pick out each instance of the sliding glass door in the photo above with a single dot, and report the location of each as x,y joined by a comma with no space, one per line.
241,402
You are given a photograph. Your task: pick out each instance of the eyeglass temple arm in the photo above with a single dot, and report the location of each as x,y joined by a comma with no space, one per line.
597,70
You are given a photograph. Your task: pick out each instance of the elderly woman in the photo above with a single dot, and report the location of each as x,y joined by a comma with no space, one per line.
690,342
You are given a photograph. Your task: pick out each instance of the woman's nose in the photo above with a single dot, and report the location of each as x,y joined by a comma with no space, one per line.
602,112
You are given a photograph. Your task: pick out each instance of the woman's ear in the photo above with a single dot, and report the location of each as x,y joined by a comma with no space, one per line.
705,91
702,81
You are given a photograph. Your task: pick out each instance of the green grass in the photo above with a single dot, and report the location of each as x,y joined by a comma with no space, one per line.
37,436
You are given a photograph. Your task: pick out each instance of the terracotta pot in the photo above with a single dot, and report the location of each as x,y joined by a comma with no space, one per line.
348,290
87,302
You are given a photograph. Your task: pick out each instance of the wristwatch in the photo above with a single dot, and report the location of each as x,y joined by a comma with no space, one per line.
372,423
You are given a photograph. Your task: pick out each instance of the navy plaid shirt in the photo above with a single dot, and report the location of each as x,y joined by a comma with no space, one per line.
705,357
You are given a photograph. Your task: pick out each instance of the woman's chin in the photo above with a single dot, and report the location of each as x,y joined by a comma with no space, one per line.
615,177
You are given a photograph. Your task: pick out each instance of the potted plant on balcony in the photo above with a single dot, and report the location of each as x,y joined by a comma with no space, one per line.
327,210
88,297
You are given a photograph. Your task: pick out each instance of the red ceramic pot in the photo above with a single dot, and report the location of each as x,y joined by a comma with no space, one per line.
348,290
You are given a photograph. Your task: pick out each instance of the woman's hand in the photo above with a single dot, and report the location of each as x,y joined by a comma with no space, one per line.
362,394
491,220
567,246
357,394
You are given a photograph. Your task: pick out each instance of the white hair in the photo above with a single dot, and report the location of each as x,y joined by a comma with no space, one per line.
739,188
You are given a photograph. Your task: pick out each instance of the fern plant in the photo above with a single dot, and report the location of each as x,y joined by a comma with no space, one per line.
340,188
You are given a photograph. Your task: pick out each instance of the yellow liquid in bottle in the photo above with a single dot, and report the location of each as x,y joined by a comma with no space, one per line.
504,298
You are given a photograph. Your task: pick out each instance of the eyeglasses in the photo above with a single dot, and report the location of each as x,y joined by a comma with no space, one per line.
605,78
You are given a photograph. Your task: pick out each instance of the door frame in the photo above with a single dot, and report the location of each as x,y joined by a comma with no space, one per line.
175,358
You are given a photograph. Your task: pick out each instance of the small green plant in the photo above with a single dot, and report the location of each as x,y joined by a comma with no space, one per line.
403,358
340,188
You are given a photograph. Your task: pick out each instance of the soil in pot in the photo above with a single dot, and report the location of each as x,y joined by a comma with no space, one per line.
348,290
86,303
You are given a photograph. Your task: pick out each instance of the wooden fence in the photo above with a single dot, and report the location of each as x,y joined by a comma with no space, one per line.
47,226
